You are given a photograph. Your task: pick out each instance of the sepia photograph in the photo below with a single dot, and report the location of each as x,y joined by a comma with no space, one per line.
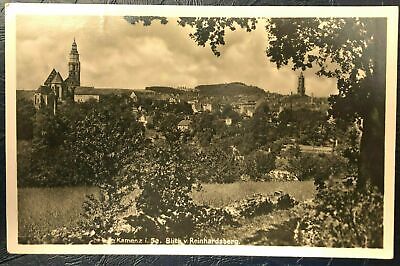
254,131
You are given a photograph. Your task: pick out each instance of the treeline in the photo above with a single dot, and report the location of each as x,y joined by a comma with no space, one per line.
89,143
84,143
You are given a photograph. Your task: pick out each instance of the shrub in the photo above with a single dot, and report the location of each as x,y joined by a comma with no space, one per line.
259,204
281,175
342,216
214,164
259,164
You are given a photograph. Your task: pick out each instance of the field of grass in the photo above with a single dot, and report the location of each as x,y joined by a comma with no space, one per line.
220,195
42,210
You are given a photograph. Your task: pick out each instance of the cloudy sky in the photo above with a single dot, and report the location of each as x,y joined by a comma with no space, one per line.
114,53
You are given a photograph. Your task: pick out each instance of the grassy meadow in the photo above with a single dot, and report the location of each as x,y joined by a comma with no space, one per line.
42,210
220,195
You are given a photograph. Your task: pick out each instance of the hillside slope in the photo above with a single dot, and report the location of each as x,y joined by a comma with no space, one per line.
228,89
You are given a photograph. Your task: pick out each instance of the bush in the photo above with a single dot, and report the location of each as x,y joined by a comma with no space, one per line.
342,216
306,166
215,164
281,175
259,164
259,204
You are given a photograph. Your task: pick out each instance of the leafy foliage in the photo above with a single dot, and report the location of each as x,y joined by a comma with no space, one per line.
48,154
95,138
103,140
25,119
309,126
146,20
341,217
259,164
353,51
164,206
216,164
259,204
211,31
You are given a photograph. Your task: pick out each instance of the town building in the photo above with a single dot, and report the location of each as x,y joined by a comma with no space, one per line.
245,108
207,107
142,119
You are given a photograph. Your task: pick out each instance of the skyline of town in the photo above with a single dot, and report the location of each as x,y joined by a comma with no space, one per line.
126,68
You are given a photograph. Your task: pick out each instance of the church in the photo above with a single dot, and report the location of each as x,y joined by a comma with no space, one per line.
55,90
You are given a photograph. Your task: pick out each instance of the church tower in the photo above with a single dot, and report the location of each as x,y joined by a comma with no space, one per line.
301,90
74,66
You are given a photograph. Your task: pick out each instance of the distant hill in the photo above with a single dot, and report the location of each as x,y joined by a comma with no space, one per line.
164,89
228,89
25,94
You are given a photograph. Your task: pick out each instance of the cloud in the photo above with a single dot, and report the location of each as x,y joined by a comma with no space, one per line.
114,53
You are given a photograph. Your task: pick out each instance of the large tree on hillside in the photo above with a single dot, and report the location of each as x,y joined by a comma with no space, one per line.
352,50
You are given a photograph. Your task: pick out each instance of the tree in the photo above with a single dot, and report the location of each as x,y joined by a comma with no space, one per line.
262,125
165,207
168,125
352,50
356,47
259,163
47,141
221,164
228,111
25,119
203,127
101,142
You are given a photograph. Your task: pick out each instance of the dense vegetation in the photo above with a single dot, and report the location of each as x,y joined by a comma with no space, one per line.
101,144
89,143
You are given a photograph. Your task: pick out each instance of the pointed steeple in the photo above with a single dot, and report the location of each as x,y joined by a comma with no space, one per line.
74,48
74,65
301,90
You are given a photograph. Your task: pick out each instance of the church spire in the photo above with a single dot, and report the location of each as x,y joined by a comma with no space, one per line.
74,65
74,47
301,90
